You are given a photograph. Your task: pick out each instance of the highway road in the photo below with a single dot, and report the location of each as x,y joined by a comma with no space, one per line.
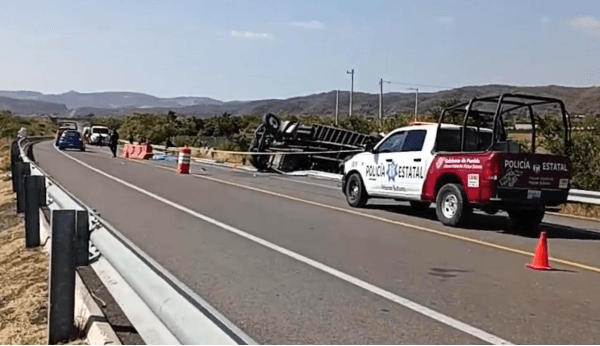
287,261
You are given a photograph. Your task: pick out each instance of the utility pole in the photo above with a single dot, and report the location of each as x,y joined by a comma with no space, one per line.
381,81
337,105
351,92
416,101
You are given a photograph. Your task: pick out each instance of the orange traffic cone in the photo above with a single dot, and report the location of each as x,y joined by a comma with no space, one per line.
540,260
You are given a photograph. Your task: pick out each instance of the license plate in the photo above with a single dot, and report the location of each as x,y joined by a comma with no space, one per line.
534,194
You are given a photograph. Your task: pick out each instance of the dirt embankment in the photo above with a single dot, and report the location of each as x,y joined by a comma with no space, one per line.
23,274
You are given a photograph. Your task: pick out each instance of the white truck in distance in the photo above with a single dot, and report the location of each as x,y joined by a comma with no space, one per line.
462,167
99,135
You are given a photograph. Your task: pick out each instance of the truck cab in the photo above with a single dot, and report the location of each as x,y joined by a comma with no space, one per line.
461,167
99,135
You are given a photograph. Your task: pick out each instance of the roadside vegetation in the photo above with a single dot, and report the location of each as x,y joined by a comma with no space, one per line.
234,133
10,124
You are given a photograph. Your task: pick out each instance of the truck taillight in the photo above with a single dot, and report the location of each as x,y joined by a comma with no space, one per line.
490,169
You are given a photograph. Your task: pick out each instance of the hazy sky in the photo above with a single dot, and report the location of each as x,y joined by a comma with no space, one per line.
273,49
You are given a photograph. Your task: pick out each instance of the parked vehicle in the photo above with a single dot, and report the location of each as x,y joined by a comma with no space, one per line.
71,139
99,135
465,167
60,132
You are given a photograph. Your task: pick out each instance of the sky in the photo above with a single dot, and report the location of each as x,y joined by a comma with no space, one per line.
246,50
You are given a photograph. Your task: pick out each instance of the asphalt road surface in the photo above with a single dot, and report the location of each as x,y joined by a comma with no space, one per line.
319,273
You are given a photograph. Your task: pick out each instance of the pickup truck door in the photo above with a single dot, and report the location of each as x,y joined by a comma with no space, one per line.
405,164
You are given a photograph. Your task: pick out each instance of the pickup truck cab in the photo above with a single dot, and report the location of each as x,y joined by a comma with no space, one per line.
463,167
99,135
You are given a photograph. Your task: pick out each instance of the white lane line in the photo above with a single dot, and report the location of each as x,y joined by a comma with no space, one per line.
449,321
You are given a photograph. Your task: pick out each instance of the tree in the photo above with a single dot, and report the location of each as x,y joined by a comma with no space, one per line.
585,149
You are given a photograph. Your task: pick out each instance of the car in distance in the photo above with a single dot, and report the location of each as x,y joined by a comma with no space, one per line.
71,139
60,132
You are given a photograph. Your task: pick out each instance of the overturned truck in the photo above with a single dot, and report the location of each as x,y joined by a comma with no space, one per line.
292,146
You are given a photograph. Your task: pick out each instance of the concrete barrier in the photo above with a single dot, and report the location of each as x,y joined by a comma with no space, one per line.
141,151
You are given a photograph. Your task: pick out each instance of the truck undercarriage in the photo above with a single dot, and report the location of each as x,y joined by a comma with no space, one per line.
304,147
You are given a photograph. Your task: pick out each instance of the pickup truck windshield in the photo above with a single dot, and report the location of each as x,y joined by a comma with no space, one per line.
404,141
100,131
449,140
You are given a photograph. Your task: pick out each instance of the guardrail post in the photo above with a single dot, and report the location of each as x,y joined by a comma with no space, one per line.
61,305
22,169
33,186
14,158
83,238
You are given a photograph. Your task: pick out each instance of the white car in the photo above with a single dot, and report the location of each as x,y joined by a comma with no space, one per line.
99,135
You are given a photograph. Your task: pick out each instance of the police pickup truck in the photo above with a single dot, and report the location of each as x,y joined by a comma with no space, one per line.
463,167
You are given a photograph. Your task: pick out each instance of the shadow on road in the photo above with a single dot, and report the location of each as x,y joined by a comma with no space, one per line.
497,223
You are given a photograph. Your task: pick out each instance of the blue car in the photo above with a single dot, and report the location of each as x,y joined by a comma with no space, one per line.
72,140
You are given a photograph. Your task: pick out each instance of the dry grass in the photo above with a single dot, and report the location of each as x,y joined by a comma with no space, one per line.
586,210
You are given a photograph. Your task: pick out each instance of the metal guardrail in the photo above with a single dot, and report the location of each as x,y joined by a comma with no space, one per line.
186,315
583,196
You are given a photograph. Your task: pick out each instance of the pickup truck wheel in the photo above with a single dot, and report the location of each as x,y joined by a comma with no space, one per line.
527,222
452,207
356,195
420,207
271,122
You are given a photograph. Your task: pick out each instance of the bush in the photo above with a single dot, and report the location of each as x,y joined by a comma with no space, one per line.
180,141
8,125
585,148
111,123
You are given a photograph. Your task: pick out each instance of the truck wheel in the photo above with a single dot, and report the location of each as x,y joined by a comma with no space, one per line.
526,222
271,122
61,148
452,206
356,195
420,207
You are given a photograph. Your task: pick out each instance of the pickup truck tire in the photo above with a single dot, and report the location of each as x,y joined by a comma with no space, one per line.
526,222
420,207
356,195
452,207
271,122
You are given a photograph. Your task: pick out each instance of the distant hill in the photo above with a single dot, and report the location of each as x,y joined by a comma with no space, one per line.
30,106
110,100
577,100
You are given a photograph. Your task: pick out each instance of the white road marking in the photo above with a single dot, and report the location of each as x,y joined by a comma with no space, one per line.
449,321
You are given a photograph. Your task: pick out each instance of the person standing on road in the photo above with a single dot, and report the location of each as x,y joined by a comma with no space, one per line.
113,142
